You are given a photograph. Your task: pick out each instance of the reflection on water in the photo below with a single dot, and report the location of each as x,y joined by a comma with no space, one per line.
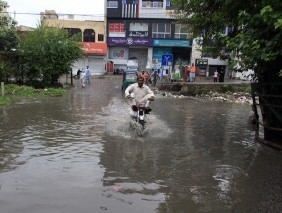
78,153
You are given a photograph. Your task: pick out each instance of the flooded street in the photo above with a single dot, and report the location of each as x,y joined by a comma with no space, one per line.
77,153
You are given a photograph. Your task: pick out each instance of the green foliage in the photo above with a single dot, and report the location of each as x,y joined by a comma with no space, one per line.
4,100
245,89
197,91
48,53
5,20
222,89
8,42
226,88
254,41
27,91
3,70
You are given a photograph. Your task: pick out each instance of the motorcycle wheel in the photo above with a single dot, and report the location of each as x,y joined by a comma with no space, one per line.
142,123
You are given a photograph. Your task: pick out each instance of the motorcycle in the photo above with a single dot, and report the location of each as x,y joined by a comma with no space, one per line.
138,115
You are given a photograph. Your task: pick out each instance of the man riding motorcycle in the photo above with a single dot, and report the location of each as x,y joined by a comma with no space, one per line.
141,93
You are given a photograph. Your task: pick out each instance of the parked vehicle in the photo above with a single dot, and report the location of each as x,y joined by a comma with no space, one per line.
118,71
129,77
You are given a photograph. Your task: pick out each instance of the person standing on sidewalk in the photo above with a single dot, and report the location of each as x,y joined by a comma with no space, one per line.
154,77
87,74
221,74
215,76
192,73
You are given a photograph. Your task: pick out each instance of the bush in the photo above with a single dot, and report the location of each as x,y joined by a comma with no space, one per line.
4,100
16,90
226,88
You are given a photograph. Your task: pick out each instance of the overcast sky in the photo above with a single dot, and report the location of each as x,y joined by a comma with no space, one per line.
88,7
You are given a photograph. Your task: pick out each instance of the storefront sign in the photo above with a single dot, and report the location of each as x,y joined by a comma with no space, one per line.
201,62
94,48
171,43
141,34
116,27
118,53
129,41
202,66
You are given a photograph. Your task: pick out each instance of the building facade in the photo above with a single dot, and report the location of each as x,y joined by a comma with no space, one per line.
93,38
145,30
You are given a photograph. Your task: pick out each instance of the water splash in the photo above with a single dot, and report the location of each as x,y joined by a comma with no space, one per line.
116,119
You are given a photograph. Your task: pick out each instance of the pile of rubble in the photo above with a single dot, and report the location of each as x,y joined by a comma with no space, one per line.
236,97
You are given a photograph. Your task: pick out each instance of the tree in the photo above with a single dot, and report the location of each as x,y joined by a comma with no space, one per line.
254,41
47,53
8,42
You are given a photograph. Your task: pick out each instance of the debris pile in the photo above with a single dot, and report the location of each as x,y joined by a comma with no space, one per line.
236,97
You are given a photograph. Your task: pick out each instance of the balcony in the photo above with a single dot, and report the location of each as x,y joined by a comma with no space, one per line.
155,4
157,13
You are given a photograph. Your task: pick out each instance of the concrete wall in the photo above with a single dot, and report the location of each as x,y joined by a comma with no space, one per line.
191,88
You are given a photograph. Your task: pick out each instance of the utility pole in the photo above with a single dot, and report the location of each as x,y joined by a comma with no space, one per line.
2,89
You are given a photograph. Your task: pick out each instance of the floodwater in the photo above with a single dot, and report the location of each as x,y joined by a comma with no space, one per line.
77,153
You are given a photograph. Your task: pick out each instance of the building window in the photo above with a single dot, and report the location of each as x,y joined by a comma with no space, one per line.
100,37
112,4
161,30
226,30
74,32
138,27
89,35
180,32
168,3
116,29
138,30
152,3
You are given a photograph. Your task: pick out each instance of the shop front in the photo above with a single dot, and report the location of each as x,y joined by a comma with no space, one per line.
180,49
202,67
123,49
207,66
95,56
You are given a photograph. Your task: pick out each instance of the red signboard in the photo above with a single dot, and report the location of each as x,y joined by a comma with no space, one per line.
94,48
116,27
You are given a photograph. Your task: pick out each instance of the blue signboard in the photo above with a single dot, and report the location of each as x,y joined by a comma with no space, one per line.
167,60
158,52
171,43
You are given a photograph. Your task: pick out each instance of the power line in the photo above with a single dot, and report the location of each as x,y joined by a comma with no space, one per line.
59,14
63,14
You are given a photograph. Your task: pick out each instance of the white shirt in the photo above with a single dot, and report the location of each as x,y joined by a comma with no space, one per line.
139,93
82,74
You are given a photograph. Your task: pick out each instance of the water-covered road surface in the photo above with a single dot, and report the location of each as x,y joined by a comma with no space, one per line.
78,154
